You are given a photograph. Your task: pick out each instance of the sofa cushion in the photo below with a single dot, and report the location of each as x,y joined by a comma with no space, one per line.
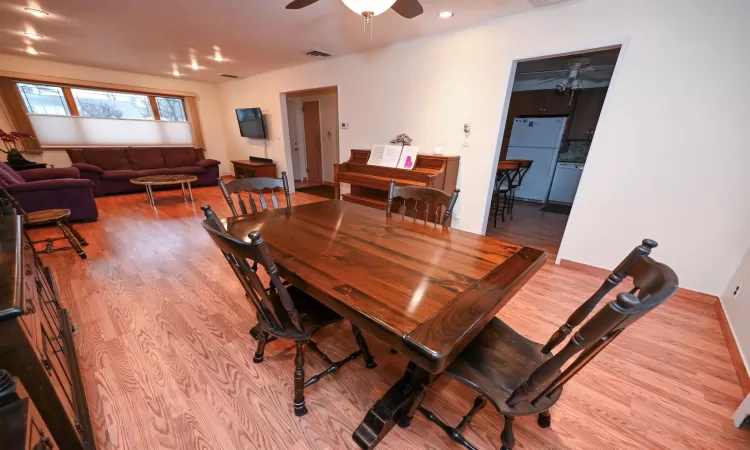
107,158
10,176
145,158
179,156
75,155
125,174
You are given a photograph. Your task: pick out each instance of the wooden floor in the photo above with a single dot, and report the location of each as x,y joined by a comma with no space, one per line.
531,227
167,359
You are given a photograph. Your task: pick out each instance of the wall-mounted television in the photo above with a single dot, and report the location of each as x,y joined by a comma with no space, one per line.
251,123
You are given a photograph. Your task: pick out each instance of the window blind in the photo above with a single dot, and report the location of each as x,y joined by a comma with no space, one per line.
67,131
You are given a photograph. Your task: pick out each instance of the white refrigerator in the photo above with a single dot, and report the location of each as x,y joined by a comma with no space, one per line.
537,139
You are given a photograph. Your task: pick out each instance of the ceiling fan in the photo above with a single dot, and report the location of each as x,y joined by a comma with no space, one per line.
575,71
371,8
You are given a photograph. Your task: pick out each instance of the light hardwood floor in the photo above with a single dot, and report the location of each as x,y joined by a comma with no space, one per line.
531,227
167,359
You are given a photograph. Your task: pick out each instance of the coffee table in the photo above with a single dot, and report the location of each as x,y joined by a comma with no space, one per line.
165,180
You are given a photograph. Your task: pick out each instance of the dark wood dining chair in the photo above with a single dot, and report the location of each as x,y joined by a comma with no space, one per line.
506,174
424,203
523,167
57,217
259,186
283,311
521,377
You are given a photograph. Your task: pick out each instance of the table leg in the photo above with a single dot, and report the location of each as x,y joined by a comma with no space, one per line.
397,405
150,194
182,185
191,192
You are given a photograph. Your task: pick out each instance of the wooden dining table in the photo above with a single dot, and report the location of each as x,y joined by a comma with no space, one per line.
423,289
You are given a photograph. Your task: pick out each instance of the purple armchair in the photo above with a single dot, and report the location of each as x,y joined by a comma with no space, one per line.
40,189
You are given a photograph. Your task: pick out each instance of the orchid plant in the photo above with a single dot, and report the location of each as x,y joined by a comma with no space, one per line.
11,149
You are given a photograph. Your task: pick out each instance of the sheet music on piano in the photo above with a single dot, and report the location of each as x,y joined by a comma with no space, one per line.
385,155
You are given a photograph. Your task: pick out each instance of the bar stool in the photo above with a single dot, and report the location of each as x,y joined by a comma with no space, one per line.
507,172
524,166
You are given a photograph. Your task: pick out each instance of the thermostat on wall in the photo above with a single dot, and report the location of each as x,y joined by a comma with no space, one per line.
344,125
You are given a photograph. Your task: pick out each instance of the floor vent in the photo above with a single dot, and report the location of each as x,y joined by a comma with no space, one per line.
318,54
226,75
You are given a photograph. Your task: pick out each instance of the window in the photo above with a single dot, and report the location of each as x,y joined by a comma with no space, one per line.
112,105
171,109
42,99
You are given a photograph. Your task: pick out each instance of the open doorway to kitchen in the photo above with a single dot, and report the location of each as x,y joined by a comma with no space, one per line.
312,125
552,117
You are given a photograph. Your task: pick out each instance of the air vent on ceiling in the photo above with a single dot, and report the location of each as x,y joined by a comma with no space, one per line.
318,54
226,75
543,3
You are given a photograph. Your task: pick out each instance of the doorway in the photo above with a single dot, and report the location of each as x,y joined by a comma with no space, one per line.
312,124
551,122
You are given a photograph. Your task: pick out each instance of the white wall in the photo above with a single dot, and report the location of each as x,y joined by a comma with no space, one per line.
207,97
669,159
737,309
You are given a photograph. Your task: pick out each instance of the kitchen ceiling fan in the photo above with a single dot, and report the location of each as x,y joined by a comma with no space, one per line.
575,71
371,8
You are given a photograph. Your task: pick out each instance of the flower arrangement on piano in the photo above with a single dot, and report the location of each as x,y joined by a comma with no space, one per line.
402,139
15,155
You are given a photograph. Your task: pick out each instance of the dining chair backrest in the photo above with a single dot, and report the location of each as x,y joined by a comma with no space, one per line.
507,172
259,186
523,167
274,305
424,203
653,284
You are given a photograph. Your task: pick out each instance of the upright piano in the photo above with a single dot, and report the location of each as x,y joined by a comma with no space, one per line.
370,184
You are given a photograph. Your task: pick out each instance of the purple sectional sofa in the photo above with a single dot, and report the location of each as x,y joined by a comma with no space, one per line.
39,189
111,169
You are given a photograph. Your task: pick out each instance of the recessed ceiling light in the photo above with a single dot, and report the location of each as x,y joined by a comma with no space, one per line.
34,36
446,14
176,73
217,54
31,51
36,12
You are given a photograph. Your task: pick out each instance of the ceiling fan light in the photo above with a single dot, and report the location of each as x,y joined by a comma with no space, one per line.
376,7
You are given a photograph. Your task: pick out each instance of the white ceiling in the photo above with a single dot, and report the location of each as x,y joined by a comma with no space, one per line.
146,36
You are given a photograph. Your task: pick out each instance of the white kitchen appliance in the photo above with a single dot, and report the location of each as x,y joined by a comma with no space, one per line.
565,182
537,139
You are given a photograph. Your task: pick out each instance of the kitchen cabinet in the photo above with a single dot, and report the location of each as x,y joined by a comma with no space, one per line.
590,102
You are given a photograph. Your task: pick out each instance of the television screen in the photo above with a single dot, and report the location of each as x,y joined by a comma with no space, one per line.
251,123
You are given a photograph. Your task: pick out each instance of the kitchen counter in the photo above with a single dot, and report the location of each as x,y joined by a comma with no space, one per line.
574,152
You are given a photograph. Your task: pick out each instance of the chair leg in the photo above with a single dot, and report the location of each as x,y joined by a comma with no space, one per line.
544,420
262,341
71,239
369,360
507,437
77,235
299,382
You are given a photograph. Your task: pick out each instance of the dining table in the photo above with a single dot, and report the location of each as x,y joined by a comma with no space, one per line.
425,290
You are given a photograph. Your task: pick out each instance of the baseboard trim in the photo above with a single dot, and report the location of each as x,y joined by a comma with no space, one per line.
604,273
734,351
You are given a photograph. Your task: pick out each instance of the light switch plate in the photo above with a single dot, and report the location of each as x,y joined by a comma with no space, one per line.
344,125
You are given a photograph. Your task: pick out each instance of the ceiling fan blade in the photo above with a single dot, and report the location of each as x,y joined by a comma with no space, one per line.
299,4
408,8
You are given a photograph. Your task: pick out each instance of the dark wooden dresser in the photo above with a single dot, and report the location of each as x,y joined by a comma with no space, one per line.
244,169
21,425
36,340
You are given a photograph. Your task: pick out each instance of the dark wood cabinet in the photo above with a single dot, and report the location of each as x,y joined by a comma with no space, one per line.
21,425
587,111
249,169
36,343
